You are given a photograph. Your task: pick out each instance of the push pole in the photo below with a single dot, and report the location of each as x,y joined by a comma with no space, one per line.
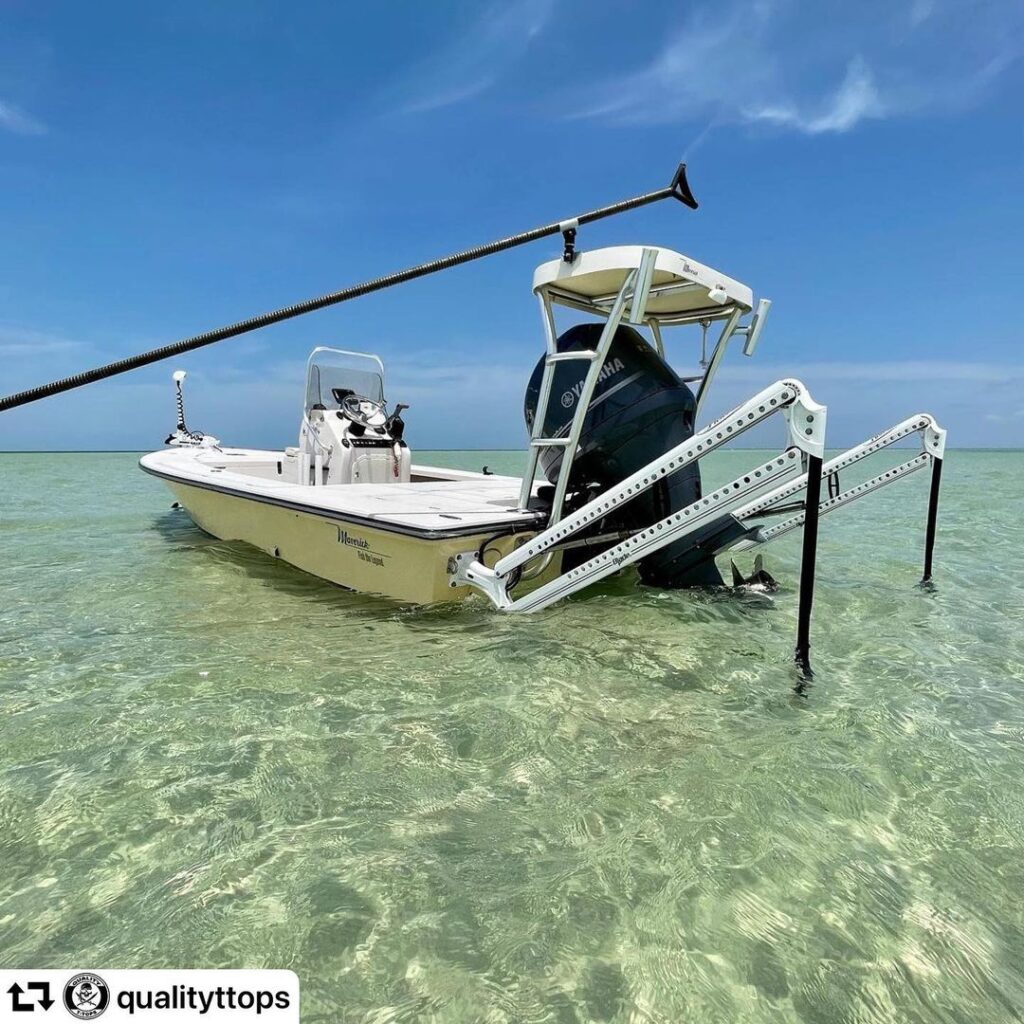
808,557
933,515
676,189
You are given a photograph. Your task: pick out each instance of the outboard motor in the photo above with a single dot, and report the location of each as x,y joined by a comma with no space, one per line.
640,409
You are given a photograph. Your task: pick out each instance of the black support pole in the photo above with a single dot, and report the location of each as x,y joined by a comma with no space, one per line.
933,515
807,559
676,189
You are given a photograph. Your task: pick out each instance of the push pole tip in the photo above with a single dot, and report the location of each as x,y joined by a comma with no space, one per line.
681,189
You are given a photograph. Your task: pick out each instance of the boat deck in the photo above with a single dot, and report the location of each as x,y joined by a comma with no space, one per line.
436,503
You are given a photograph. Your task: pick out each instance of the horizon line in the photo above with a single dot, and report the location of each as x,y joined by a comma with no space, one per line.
518,451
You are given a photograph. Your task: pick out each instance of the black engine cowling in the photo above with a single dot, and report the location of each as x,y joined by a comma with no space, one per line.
640,409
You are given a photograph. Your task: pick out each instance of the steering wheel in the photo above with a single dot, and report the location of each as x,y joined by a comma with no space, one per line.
364,411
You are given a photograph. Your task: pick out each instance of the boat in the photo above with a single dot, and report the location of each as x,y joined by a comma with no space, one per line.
612,474
346,503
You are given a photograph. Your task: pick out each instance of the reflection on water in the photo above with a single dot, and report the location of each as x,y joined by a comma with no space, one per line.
613,810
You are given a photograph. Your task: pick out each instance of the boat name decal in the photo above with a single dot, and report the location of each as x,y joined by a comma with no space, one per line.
346,538
611,367
362,546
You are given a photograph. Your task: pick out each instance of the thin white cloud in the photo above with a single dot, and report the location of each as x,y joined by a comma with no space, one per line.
896,371
16,120
1013,416
855,100
27,343
474,60
977,400
799,67
921,11
697,71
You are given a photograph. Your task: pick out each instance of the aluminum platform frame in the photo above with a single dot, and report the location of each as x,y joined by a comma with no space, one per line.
933,449
799,467
805,420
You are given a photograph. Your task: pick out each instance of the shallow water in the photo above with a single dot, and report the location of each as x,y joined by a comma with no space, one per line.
615,810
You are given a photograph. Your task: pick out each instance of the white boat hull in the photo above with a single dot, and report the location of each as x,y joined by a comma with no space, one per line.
327,532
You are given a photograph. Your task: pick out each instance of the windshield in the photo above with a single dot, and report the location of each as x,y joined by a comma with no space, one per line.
332,373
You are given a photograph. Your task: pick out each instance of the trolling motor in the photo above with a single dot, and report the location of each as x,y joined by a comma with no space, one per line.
182,436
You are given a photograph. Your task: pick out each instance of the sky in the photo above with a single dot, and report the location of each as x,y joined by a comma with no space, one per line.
169,168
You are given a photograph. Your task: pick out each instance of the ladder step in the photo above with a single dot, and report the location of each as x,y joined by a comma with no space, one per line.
549,442
564,357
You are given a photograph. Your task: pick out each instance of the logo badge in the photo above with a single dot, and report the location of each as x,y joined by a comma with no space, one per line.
86,996
567,399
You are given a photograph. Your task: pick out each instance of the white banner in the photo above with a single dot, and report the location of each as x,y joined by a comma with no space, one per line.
62,997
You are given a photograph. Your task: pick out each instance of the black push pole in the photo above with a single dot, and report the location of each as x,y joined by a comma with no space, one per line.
933,514
807,559
677,189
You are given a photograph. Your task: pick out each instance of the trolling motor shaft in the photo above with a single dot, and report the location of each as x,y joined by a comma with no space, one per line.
182,436
678,188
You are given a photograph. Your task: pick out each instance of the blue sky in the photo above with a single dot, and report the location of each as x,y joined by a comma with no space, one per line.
165,169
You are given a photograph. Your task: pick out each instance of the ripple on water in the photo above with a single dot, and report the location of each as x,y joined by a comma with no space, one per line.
614,810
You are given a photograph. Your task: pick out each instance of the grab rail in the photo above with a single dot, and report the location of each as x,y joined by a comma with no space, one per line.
320,450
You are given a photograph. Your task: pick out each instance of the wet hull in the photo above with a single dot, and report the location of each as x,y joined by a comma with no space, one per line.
398,566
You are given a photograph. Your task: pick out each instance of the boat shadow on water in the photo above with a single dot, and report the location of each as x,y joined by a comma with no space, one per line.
698,603
617,615
184,536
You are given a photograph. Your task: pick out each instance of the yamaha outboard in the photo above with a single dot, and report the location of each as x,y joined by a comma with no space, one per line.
640,409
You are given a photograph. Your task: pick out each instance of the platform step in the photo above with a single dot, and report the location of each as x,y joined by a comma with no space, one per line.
550,442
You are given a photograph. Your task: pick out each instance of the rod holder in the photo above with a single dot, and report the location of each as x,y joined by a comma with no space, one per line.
569,242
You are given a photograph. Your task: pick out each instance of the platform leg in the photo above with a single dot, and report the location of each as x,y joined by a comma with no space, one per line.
933,514
807,560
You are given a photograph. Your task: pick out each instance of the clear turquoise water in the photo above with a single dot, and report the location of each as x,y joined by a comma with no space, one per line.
615,810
